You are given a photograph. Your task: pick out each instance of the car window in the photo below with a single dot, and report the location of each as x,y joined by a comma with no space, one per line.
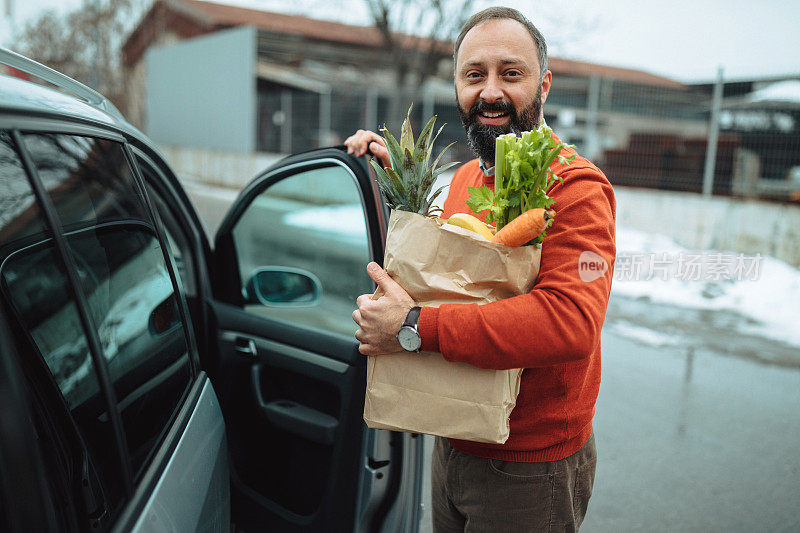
34,284
88,179
177,240
311,223
125,280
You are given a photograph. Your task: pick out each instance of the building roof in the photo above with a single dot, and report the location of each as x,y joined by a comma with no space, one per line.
322,30
205,17
189,18
571,67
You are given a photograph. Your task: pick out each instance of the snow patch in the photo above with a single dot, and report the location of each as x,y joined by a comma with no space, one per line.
769,295
344,220
643,335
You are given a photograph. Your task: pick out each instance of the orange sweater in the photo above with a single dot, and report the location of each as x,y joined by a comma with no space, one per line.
553,332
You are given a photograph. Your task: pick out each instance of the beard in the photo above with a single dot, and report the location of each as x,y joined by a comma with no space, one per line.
481,137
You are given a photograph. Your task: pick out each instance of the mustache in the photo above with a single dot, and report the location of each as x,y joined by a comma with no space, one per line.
501,106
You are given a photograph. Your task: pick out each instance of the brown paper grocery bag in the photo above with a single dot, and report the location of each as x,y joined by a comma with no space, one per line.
424,393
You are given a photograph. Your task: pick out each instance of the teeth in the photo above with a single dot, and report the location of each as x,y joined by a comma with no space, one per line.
492,115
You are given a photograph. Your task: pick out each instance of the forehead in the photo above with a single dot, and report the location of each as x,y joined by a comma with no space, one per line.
496,40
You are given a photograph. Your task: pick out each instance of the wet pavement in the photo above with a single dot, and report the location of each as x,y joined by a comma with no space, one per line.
699,435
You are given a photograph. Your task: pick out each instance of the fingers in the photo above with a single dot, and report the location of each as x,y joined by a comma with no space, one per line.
363,300
357,317
353,143
364,347
363,140
367,349
383,280
379,150
358,143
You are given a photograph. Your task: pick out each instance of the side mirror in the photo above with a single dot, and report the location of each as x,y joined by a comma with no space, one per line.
282,287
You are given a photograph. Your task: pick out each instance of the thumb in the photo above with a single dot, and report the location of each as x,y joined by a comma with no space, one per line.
381,277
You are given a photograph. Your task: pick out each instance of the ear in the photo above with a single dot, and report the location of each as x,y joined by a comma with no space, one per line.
546,80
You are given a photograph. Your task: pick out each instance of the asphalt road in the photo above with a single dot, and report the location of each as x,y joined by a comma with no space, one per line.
700,434
692,440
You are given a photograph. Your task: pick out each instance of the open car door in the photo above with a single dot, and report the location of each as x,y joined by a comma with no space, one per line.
289,261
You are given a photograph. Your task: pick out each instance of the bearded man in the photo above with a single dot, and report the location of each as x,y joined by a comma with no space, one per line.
541,478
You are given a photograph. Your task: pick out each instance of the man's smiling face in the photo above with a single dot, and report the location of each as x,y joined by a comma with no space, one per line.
498,83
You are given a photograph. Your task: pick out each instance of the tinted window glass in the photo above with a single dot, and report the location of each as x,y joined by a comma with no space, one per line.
88,179
34,284
19,213
124,278
313,223
134,308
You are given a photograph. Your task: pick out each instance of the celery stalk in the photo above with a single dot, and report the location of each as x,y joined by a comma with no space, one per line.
522,176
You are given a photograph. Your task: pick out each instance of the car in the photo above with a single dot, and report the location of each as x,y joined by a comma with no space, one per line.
153,382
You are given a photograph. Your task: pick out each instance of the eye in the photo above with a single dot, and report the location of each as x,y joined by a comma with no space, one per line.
474,75
513,73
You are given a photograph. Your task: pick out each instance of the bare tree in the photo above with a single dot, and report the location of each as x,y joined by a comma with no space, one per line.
418,34
84,44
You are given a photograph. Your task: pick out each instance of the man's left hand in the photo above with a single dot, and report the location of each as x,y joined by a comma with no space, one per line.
380,320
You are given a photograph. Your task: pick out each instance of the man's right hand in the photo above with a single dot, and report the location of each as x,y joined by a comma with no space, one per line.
363,140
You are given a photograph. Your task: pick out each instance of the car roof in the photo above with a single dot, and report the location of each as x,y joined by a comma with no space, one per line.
21,95
32,99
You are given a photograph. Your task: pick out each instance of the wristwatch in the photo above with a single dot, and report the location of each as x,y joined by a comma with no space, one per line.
408,336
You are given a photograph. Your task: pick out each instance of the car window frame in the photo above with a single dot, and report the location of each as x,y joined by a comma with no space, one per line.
18,125
228,288
179,204
161,236
171,192
90,331
345,179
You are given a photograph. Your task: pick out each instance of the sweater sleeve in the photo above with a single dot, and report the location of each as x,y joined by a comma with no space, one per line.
560,319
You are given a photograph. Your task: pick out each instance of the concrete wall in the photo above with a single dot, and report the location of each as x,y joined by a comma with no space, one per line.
202,92
719,223
136,84
217,167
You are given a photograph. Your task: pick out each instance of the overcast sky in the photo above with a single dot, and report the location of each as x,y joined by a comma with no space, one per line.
682,39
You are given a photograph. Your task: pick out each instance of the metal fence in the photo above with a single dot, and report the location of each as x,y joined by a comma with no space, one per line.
737,139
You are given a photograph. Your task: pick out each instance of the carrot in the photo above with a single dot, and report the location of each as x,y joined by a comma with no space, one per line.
525,227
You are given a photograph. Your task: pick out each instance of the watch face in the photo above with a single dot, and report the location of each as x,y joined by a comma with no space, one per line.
409,338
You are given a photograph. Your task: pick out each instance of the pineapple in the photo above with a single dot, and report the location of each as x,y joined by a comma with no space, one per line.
406,185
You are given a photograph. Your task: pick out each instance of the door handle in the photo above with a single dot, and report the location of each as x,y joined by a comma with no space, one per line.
245,346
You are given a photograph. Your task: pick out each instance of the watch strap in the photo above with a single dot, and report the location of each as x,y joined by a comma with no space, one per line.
412,318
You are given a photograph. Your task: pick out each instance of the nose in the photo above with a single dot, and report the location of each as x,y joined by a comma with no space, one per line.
492,91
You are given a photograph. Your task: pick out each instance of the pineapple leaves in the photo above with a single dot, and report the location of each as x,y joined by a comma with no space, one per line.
395,153
408,162
424,137
406,135
407,183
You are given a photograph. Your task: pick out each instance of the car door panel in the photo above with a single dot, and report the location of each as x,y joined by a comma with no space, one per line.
290,405
201,450
291,380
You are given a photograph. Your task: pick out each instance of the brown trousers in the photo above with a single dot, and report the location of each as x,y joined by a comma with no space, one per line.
473,494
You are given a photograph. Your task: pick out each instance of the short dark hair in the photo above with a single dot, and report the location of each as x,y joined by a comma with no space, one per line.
505,13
